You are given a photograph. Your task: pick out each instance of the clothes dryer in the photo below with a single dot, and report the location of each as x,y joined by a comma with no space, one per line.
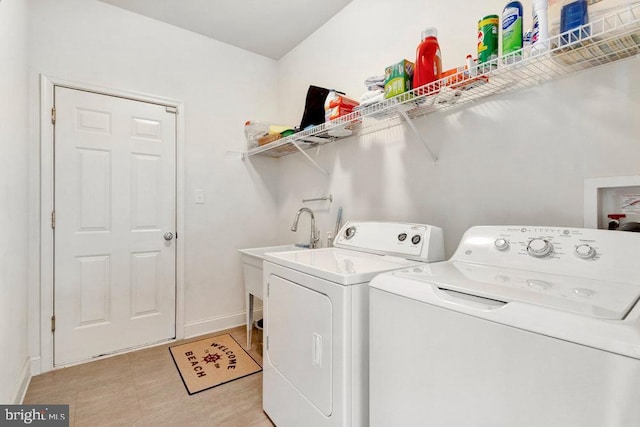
316,320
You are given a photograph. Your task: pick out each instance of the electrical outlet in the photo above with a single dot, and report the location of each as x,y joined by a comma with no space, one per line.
199,196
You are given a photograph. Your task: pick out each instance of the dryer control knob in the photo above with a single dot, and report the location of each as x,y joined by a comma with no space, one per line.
501,244
539,248
585,251
349,233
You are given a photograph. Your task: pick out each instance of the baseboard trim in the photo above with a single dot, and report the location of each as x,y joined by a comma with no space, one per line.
25,379
215,324
36,366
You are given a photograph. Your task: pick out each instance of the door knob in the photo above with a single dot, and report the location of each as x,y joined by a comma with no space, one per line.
168,235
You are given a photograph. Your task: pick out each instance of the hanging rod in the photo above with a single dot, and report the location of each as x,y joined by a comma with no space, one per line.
329,198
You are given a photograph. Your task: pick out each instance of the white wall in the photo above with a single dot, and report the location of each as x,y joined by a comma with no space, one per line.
221,86
515,159
519,158
13,200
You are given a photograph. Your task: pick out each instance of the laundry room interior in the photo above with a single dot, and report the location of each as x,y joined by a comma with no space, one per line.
529,156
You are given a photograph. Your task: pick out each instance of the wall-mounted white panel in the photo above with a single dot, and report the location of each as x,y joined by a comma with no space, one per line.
611,195
94,282
144,191
144,279
94,199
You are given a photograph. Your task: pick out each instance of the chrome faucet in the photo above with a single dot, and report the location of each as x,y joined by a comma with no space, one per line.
314,239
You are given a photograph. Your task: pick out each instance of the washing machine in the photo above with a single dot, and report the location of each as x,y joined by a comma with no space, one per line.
316,320
523,326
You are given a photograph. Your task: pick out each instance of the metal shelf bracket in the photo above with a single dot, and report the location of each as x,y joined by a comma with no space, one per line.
313,162
418,134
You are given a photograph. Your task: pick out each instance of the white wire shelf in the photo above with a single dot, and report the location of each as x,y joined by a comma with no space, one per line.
613,37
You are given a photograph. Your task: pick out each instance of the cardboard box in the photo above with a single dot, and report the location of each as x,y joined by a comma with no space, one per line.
398,78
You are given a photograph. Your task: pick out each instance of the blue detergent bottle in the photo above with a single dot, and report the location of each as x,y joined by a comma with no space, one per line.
573,15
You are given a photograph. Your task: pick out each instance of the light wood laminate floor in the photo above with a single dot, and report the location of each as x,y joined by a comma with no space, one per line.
143,388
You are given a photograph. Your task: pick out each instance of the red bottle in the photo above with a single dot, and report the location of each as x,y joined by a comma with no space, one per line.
428,63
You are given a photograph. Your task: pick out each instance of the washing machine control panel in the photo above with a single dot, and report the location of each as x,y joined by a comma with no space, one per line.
545,242
551,249
540,248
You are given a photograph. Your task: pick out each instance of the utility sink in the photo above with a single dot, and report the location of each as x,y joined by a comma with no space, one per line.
252,265
252,270
259,252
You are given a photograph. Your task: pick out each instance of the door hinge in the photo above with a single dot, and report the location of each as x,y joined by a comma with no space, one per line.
53,219
267,342
53,323
172,110
268,288
53,115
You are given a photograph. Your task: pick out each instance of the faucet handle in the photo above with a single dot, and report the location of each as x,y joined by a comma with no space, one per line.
329,239
315,238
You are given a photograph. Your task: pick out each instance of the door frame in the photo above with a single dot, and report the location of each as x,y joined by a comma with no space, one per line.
47,85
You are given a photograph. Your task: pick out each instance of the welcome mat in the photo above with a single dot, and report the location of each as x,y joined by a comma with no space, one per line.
209,362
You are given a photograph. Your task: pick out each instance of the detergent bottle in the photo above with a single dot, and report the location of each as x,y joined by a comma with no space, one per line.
540,33
512,32
428,66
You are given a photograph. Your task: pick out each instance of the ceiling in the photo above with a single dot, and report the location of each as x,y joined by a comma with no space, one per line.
266,27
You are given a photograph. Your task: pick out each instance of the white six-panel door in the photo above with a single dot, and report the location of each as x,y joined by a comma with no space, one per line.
115,202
